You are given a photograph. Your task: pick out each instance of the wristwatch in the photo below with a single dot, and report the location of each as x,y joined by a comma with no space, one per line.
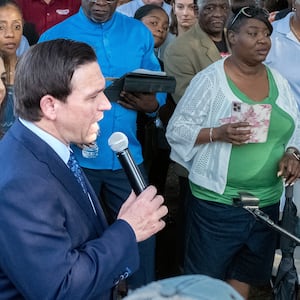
294,152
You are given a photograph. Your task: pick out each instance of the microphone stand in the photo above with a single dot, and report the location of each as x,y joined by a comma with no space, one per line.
250,203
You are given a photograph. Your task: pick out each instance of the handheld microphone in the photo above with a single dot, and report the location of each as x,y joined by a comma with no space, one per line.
118,142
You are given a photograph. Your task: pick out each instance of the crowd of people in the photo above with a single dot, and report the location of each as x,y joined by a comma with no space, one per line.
71,227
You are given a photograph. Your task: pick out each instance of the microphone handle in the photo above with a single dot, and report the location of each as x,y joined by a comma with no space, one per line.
132,171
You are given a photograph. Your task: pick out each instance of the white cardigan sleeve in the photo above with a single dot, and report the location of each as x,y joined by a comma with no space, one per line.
190,116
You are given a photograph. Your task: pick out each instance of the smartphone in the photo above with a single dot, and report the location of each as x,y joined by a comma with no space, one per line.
257,115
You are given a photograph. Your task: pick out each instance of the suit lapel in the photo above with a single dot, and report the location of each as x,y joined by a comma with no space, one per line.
212,52
61,171
44,153
95,200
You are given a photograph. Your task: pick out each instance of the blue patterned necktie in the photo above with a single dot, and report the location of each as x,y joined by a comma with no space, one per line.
75,168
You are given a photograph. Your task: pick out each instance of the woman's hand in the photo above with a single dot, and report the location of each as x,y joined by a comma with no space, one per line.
289,168
234,133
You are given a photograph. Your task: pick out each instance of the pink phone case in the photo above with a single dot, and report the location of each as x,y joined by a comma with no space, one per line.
257,115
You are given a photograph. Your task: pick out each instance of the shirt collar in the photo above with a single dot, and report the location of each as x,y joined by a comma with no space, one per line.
283,25
97,25
60,148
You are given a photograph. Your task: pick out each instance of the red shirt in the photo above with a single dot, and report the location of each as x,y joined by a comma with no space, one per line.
44,15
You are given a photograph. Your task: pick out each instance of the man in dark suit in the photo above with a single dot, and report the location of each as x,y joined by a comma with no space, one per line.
55,242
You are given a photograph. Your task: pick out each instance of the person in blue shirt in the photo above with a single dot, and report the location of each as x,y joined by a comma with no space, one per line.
122,44
284,53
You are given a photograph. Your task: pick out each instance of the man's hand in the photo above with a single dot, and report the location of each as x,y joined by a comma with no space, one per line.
144,213
144,102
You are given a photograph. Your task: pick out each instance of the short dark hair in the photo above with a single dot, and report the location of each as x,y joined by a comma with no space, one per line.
144,10
47,69
11,2
241,14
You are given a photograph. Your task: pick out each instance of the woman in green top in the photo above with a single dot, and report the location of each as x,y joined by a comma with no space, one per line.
224,241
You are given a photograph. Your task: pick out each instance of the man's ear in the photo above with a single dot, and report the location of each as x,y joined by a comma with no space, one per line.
48,105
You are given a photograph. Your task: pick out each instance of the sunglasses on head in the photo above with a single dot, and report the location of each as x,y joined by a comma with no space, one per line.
250,12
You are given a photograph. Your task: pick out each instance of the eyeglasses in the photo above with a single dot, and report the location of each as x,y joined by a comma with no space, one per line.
250,12
105,1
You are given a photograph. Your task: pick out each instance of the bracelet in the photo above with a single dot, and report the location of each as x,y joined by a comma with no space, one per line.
294,152
211,134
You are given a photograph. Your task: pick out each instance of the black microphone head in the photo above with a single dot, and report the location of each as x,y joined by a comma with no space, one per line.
118,142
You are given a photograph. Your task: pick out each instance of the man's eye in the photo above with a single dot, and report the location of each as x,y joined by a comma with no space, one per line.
93,97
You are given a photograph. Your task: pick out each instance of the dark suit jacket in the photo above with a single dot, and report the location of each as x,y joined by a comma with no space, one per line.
52,245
